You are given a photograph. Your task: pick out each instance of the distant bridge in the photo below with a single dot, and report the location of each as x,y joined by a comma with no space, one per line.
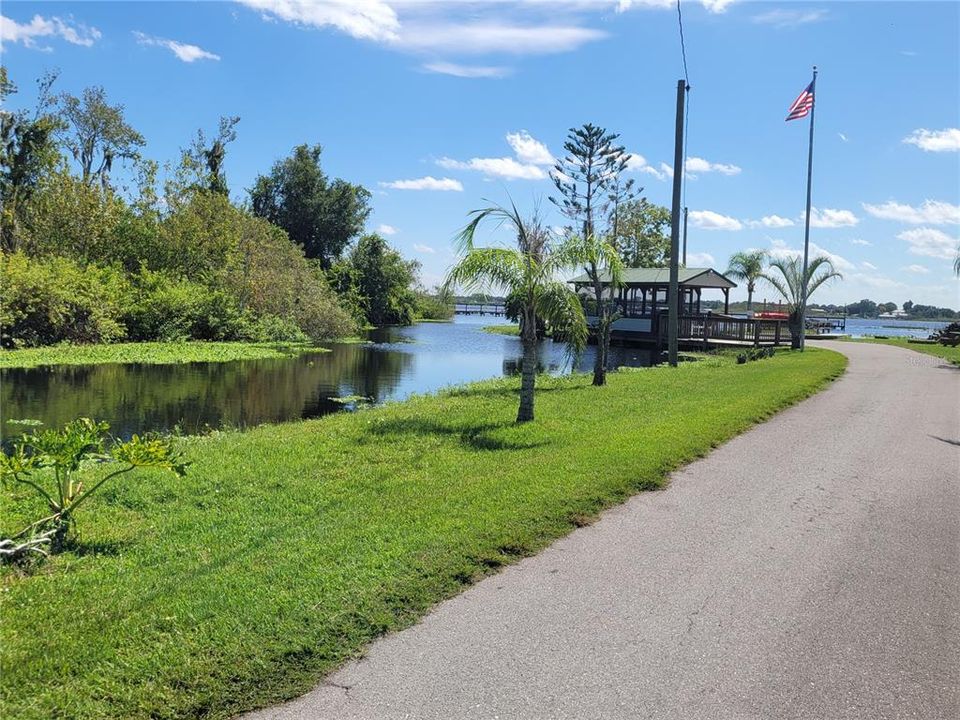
479,309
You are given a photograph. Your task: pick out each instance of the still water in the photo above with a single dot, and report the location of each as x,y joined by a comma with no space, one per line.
193,397
860,327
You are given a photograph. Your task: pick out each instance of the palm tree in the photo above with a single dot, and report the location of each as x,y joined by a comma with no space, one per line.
747,266
790,285
956,262
529,273
602,263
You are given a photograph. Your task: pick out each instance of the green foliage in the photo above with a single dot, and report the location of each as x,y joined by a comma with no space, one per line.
97,134
289,547
320,216
44,301
381,280
47,462
789,282
748,267
643,234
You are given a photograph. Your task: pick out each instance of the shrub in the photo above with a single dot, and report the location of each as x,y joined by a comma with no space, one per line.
433,307
49,300
47,462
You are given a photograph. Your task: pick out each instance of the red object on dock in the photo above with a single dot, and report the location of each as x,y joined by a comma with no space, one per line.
772,315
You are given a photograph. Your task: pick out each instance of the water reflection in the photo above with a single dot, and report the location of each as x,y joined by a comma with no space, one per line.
196,396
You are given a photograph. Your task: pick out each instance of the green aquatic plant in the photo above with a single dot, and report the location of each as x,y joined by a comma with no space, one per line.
50,462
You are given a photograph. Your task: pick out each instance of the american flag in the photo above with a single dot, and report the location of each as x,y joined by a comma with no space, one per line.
802,105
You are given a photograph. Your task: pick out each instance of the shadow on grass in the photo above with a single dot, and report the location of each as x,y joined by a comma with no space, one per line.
474,436
513,390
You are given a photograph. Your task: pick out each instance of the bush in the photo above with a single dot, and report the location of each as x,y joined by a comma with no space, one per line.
44,301
169,309
270,328
433,307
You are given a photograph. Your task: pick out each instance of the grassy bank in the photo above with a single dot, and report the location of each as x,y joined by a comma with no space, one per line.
148,352
951,354
502,329
289,547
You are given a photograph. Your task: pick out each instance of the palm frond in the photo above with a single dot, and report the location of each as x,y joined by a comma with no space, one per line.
499,267
560,307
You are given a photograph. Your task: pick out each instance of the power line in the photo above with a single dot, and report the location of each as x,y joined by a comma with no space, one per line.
683,47
686,114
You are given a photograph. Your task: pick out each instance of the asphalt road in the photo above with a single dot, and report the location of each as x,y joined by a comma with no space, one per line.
809,568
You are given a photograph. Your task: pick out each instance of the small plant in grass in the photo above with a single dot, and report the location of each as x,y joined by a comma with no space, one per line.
49,463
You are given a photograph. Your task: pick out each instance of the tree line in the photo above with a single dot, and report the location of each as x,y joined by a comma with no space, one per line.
85,257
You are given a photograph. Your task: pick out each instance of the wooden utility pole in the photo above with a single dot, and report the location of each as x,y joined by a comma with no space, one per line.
673,295
684,263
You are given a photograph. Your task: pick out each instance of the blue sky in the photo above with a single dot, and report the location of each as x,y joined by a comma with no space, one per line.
435,106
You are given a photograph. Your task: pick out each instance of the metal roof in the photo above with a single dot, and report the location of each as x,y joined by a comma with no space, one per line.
689,277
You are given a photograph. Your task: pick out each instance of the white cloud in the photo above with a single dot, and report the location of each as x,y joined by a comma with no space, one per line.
386,230
425,249
362,19
709,220
696,165
40,27
868,265
187,53
528,149
782,18
531,157
930,242
771,221
700,260
946,140
714,6
861,241
931,212
425,183
916,269
467,71
830,218
780,249
843,137
505,167
494,37
667,170
638,163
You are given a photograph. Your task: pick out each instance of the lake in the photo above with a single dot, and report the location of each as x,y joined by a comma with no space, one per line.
859,327
194,397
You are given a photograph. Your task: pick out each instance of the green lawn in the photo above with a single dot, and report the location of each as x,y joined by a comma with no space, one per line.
502,329
952,354
148,352
288,548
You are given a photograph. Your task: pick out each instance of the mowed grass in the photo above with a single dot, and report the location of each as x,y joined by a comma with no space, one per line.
288,548
951,354
148,352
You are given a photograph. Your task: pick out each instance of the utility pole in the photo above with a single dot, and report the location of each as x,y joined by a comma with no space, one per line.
673,295
684,263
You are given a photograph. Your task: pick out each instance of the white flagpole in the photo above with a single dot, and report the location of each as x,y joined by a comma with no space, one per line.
806,230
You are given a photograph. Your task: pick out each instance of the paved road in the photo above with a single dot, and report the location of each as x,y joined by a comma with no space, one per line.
822,584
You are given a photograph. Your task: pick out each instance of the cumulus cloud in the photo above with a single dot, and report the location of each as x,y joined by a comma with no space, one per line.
467,71
714,6
184,51
425,249
528,149
697,165
780,249
386,230
771,221
40,27
916,269
830,218
638,163
700,260
362,19
782,18
532,156
946,140
868,265
931,212
930,242
425,183
860,241
709,220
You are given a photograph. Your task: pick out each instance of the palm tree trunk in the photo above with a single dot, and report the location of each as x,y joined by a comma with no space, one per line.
528,366
603,334
796,329
749,298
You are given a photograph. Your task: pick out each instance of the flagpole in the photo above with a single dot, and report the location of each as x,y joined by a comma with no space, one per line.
806,230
